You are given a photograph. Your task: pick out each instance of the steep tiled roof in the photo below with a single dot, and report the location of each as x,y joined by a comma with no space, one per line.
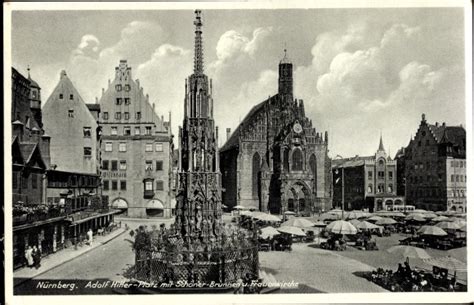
93,107
249,118
27,150
350,162
453,134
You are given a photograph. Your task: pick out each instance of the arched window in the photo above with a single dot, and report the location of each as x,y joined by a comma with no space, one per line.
255,171
286,161
369,188
297,160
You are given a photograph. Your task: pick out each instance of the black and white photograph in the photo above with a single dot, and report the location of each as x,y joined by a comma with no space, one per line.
206,148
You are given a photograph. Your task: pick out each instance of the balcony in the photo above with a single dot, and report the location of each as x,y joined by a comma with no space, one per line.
148,194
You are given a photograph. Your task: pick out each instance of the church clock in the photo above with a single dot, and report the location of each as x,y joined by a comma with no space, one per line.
297,128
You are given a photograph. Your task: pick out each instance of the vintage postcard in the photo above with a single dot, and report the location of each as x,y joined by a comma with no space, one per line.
314,151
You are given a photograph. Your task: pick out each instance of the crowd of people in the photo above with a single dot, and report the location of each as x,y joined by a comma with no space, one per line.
405,279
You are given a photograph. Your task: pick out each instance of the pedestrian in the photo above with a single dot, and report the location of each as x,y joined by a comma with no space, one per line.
36,257
29,256
90,236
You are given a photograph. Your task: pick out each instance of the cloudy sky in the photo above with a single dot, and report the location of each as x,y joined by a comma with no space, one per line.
361,72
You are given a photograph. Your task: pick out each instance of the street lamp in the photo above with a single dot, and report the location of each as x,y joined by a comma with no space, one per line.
342,185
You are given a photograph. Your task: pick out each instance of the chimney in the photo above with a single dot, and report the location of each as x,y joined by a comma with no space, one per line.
444,124
227,130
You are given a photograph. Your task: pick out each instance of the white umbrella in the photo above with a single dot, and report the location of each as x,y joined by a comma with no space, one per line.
329,216
385,221
298,222
416,217
355,214
419,211
445,225
269,232
291,230
375,218
409,251
365,225
341,227
390,214
447,262
246,213
432,230
268,217
240,207
290,213
354,222
441,218
320,224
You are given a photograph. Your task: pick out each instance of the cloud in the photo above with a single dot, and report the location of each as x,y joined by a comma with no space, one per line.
163,77
90,66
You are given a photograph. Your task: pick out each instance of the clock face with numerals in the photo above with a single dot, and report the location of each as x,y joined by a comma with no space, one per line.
297,128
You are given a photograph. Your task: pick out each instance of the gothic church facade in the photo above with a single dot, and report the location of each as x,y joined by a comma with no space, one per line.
276,161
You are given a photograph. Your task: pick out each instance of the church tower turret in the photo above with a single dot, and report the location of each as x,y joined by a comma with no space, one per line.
285,77
199,211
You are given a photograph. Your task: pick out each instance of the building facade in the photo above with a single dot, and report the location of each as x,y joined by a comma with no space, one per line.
366,182
435,167
136,149
276,160
75,136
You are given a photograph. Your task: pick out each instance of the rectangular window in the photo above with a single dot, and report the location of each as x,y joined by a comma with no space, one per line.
118,101
159,185
105,165
71,97
159,146
137,131
369,173
126,131
452,178
127,101
108,146
24,182
105,115
113,165
118,87
123,185
70,113
87,132
457,178
148,185
34,181
138,115
87,151
123,165
381,174
122,147
60,96
118,115
113,131
126,115
106,185
390,175
148,165
148,130
114,185
15,180
159,165
127,87
148,147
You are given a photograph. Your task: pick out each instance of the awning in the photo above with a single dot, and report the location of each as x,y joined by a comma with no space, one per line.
155,204
78,221
119,204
